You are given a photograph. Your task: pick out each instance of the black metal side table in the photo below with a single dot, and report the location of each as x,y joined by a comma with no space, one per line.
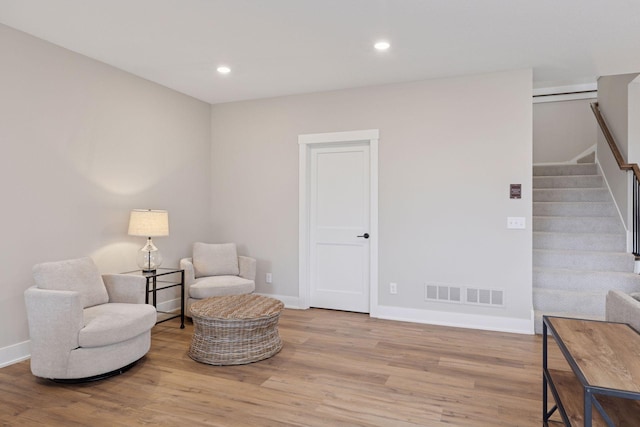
159,280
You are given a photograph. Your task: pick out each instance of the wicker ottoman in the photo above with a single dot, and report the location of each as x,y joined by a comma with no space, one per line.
235,329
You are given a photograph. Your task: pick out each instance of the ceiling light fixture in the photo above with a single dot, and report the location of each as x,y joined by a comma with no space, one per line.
223,69
382,45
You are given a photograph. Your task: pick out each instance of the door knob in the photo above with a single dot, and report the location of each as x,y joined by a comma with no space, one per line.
365,235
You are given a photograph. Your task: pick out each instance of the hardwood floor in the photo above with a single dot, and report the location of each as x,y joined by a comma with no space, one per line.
335,369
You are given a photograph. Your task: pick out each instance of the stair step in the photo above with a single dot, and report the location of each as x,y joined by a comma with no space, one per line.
575,224
564,170
590,303
576,280
601,242
584,260
574,209
571,195
539,313
569,181
579,244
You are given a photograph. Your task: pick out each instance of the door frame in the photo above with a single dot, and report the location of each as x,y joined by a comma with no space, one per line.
306,143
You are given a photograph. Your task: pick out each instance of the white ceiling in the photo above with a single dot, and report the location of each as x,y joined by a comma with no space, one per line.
281,47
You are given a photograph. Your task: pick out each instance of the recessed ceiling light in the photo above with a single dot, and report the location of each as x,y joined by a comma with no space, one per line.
382,45
223,69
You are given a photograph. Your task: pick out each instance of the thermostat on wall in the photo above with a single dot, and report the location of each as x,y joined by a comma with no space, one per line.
515,191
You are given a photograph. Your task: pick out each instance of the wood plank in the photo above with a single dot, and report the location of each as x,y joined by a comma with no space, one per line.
571,396
335,369
623,412
606,353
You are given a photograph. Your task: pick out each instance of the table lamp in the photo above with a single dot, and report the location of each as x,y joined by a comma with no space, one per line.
149,223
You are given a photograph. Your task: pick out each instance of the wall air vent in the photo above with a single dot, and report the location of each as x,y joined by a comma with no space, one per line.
442,293
494,297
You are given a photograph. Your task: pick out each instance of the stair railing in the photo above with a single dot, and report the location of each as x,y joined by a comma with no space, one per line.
625,167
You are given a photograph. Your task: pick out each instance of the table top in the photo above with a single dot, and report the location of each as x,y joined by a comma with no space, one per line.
237,307
606,353
156,273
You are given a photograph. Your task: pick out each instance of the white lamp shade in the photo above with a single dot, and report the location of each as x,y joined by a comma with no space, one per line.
148,223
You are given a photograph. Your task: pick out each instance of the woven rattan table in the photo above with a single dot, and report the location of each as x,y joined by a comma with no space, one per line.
235,329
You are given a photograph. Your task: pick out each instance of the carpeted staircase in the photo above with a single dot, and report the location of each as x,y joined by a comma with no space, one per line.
579,243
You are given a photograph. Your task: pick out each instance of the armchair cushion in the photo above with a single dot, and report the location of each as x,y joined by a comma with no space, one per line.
80,275
217,286
215,259
108,324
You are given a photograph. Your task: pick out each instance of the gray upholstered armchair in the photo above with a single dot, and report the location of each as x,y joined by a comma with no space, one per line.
624,308
217,270
85,326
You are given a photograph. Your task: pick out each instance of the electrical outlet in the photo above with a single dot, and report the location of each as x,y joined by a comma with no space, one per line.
393,288
268,278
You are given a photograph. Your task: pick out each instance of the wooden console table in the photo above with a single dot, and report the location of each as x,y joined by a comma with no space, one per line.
605,360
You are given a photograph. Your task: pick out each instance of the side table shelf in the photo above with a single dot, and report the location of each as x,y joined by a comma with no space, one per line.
159,280
603,386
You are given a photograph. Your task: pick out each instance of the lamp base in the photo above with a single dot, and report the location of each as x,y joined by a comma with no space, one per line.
149,271
149,257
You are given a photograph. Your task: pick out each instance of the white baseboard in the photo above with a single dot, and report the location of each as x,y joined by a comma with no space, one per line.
586,152
622,217
14,353
289,301
21,351
170,305
458,320
174,304
442,318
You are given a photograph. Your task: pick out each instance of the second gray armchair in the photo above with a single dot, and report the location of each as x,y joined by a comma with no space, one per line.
84,326
216,270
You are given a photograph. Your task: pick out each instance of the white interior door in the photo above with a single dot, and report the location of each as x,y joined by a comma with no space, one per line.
339,221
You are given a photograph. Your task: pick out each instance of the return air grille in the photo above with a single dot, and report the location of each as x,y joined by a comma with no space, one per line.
441,292
480,296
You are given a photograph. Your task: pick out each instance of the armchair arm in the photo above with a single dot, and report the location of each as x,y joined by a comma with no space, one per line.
55,319
621,307
125,288
186,264
247,267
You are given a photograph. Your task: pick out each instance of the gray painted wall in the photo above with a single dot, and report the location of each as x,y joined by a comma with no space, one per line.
634,121
82,144
613,100
562,130
448,151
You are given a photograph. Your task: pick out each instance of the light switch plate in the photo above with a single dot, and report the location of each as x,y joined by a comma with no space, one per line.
516,222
